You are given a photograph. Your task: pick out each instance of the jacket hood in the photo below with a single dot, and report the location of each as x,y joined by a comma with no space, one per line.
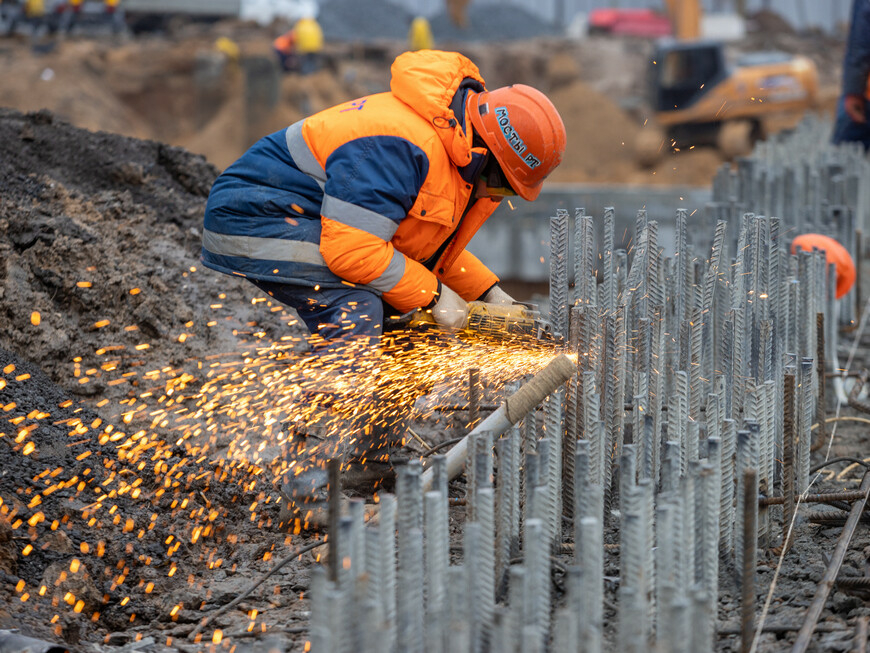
428,81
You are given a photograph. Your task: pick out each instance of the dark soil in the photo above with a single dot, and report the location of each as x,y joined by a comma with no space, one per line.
101,286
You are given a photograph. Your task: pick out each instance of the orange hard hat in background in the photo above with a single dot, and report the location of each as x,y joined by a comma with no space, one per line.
834,253
524,132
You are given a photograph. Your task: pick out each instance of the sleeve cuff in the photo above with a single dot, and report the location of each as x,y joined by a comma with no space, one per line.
486,292
435,297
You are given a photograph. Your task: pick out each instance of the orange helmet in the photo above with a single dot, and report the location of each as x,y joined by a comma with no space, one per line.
524,132
834,253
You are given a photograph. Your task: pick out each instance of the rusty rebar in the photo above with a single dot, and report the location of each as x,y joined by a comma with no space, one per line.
828,497
821,403
828,580
854,582
750,553
854,401
782,629
832,518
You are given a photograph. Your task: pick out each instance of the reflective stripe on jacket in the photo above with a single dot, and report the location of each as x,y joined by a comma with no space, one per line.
377,192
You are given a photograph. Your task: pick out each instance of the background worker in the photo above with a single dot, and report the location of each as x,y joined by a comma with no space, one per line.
299,49
420,34
366,208
853,117
309,44
285,49
835,253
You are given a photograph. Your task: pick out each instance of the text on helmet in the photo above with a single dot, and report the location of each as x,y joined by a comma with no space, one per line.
513,139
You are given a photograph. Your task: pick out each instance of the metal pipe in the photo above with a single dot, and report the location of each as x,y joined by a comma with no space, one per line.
557,372
828,580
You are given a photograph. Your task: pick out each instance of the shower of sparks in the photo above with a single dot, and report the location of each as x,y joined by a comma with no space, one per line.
155,475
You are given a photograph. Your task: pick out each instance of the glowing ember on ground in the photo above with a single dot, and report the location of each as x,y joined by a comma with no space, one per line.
192,445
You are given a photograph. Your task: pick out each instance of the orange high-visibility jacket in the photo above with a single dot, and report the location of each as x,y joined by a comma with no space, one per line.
376,192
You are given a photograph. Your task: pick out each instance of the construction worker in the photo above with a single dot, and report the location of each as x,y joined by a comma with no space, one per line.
34,9
309,44
420,35
285,49
299,48
365,209
835,253
70,16
853,117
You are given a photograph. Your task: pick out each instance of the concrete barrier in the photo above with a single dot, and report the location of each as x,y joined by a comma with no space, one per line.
514,243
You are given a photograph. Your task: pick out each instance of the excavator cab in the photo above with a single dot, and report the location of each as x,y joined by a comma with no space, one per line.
680,73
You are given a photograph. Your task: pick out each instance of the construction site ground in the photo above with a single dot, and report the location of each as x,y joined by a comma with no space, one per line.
103,298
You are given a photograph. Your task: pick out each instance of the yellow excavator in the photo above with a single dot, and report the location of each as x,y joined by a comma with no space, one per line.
698,99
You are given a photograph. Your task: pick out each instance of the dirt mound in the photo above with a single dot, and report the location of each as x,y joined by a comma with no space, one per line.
94,228
768,22
602,144
100,287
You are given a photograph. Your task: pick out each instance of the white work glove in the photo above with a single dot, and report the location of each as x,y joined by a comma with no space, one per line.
450,310
498,296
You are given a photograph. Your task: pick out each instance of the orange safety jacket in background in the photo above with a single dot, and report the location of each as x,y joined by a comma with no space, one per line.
374,192
286,42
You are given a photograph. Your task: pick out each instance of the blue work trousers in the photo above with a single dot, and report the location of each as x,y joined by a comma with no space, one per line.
337,315
847,130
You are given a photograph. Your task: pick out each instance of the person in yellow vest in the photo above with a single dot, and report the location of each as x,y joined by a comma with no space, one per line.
34,8
299,49
229,48
114,15
71,15
309,44
420,35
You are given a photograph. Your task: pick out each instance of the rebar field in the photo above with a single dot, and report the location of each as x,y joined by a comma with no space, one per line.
678,451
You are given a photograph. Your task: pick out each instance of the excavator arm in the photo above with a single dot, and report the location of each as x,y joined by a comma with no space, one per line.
456,10
685,17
